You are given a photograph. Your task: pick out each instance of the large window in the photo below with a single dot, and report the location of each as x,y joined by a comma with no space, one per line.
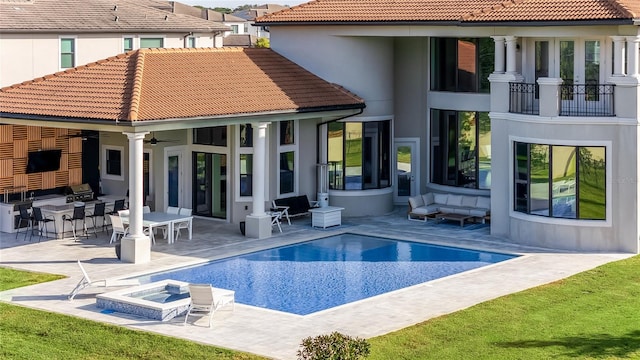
462,65
461,148
560,181
67,53
358,155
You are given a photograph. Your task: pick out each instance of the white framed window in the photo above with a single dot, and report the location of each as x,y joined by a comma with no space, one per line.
245,160
190,42
234,29
67,52
151,42
287,176
112,162
128,43
244,163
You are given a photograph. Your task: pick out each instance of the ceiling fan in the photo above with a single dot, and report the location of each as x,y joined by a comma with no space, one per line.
155,141
84,134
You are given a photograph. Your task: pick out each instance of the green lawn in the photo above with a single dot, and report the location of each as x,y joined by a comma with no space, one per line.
32,334
592,315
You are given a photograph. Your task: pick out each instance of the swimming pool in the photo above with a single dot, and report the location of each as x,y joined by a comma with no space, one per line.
320,274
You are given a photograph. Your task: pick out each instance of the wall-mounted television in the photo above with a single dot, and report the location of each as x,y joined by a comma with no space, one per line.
44,160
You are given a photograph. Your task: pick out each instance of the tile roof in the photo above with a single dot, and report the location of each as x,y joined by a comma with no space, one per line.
118,16
363,11
149,84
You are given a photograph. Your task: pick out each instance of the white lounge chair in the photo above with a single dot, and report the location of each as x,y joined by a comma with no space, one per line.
207,299
86,282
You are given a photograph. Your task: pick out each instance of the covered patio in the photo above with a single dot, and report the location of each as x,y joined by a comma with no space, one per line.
277,334
148,90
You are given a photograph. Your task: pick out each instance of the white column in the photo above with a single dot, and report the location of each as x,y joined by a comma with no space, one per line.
618,55
632,56
499,54
511,54
136,246
259,160
258,223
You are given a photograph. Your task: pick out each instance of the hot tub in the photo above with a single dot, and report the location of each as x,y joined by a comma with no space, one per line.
162,300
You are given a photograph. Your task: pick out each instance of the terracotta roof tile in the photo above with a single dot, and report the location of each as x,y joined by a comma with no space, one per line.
97,16
149,84
358,11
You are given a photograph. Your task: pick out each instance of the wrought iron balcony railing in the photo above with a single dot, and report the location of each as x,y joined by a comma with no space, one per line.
588,100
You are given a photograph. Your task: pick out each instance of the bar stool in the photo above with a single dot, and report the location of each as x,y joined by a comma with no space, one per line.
98,212
78,214
42,222
25,218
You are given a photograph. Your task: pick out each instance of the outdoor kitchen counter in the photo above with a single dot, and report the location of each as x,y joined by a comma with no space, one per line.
58,207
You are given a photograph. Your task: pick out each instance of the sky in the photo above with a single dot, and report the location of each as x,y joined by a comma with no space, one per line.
232,4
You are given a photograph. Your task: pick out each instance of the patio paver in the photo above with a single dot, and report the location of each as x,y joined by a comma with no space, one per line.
275,334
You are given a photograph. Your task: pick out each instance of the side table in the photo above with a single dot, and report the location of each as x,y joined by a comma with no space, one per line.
326,216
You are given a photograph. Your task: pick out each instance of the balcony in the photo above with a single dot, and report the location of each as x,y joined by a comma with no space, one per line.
586,100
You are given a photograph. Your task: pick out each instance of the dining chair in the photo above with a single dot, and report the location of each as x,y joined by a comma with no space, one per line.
42,221
78,214
173,210
118,228
181,224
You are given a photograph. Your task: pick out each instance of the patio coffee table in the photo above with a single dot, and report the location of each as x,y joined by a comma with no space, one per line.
454,217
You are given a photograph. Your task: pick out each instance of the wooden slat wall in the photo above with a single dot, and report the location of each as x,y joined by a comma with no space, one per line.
15,143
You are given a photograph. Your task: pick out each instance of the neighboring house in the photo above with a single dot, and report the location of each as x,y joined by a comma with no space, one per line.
241,40
533,102
251,14
40,37
237,25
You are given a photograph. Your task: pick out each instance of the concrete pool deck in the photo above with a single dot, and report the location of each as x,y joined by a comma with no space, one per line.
274,334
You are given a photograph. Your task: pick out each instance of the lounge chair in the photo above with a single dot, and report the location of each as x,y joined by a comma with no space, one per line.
86,282
207,299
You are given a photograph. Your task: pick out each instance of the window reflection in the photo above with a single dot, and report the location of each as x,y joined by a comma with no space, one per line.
563,181
592,183
461,148
359,155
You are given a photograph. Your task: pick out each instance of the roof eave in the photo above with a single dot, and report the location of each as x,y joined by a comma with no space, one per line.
115,31
187,122
459,23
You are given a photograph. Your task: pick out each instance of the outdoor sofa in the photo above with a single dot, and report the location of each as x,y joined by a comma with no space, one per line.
421,207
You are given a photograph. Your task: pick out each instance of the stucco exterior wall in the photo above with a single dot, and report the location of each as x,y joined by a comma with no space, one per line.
619,232
363,65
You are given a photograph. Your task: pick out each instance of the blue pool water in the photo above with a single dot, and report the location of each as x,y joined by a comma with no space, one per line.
320,274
